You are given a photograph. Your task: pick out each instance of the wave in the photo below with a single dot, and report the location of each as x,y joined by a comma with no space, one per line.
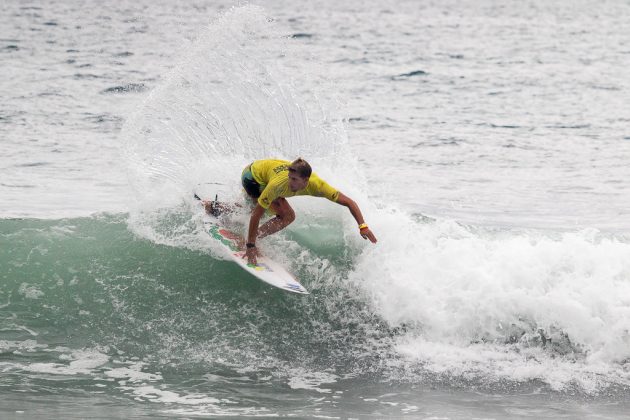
436,302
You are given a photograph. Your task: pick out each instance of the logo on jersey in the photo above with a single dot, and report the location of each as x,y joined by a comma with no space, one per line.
281,168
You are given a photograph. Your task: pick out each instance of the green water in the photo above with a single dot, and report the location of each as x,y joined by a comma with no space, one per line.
83,289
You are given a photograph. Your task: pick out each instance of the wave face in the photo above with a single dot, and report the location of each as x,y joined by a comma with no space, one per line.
134,317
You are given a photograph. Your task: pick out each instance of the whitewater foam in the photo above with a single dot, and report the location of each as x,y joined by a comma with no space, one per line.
516,305
80,362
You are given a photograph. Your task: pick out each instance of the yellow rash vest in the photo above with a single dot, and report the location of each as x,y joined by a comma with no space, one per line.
273,177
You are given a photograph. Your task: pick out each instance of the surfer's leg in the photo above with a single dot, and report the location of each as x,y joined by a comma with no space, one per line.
284,217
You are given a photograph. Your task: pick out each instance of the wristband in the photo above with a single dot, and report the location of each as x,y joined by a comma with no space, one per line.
363,226
250,245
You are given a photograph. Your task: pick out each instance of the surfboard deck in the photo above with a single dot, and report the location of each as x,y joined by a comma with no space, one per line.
266,269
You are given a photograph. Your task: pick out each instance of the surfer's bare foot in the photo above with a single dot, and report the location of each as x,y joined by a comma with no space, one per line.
207,205
217,209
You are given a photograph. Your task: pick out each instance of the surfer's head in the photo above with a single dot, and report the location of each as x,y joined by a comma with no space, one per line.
299,173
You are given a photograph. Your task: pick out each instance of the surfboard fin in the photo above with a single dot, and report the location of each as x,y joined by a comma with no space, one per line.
215,208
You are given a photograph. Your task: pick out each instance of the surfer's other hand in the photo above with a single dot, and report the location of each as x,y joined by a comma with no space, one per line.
367,234
251,254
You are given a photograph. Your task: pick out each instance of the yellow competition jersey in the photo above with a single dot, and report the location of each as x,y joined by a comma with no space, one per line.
273,176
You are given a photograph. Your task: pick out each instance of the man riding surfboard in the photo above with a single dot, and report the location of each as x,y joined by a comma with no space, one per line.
270,181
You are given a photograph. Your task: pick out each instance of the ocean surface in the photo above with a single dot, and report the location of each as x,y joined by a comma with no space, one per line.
486,142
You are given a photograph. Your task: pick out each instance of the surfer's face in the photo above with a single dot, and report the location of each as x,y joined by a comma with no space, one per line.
296,182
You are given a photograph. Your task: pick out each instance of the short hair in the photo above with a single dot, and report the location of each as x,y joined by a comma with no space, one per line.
301,167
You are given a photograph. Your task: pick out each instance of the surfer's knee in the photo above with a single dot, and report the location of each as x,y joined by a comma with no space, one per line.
288,216
283,210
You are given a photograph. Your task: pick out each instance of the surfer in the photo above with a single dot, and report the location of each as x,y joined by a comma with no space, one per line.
270,181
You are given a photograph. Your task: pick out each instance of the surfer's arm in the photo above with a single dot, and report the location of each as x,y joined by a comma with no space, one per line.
365,231
254,221
252,233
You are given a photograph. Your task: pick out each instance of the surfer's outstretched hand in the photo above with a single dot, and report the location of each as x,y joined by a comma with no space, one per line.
367,234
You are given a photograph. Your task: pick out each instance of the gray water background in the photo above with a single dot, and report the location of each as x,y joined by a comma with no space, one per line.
489,112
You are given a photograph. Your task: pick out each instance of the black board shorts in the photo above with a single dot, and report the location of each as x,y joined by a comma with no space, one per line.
252,188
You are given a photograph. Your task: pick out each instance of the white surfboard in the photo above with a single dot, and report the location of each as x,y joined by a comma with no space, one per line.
266,269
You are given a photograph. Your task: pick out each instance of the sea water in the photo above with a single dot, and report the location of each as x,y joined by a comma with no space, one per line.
486,143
